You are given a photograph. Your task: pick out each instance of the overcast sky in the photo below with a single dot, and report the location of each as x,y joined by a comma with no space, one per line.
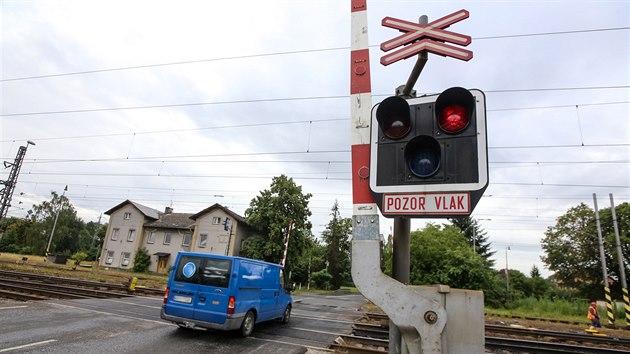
191,103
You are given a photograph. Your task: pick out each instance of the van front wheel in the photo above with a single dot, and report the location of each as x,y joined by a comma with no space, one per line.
287,314
247,327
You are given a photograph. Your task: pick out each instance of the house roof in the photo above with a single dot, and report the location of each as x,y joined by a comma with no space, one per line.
145,210
180,221
237,217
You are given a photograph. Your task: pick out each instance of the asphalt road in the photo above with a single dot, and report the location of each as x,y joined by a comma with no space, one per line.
133,325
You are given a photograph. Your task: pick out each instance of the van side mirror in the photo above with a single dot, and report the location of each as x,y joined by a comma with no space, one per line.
290,287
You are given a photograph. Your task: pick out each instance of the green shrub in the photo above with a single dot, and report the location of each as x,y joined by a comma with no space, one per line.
142,261
78,258
321,279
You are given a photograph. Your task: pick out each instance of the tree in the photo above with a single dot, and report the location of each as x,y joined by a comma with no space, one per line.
534,273
67,230
572,248
337,240
476,237
142,261
441,255
313,260
270,214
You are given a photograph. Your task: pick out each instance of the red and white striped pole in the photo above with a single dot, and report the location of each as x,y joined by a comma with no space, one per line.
286,245
361,105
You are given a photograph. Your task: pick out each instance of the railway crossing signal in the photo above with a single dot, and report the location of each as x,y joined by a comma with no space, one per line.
428,155
429,37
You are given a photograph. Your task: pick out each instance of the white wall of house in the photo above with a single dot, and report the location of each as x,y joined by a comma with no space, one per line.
119,247
156,240
211,224
165,241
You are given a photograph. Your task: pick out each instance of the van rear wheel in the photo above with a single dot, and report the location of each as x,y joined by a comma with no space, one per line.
247,327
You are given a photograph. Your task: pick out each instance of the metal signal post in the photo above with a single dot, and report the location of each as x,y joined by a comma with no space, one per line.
10,182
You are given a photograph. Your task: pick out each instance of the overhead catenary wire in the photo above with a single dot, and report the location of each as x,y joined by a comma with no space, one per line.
281,123
304,51
280,99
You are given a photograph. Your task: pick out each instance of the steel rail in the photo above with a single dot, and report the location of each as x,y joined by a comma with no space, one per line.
545,347
577,337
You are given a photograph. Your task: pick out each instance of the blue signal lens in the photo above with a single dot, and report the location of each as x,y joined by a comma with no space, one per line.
423,155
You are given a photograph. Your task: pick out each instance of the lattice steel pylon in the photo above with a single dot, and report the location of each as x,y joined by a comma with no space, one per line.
8,185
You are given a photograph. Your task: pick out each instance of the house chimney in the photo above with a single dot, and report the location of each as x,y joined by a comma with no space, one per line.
168,210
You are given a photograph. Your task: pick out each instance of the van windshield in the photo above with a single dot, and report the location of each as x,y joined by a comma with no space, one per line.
216,272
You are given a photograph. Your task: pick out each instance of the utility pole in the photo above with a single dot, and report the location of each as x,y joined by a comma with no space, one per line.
507,274
10,182
56,218
622,270
602,254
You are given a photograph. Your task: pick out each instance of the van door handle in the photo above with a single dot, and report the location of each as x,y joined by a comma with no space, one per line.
202,299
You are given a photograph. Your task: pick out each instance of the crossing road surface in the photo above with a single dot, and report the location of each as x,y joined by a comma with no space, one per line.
133,325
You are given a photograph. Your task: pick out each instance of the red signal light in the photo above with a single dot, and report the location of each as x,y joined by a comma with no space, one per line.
454,119
166,295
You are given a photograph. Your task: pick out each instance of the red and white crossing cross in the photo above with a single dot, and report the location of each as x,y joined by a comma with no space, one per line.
434,41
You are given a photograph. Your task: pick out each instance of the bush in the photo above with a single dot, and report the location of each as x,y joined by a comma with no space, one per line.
78,258
321,279
142,261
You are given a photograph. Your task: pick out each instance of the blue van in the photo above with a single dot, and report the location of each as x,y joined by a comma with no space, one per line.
226,293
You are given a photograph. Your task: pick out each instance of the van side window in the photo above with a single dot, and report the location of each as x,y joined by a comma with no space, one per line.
281,278
188,269
216,272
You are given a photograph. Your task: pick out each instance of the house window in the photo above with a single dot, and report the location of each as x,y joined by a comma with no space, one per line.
187,239
151,238
216,220
115,233
110,257
125,258
203,240
132,235
167,239
127,216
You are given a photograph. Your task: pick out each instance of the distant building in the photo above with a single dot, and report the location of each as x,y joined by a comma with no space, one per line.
132,226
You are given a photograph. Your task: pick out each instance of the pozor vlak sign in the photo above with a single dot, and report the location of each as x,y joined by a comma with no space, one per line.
429,155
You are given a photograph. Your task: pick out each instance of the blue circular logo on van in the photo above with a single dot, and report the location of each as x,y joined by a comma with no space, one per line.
189,269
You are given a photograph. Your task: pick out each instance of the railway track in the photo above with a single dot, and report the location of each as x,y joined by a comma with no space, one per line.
373,336
529,346
29,286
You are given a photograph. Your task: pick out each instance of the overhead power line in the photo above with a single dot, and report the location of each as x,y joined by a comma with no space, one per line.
183,62
250,125
285,99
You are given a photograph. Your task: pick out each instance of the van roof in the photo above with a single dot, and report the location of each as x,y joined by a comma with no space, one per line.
220,256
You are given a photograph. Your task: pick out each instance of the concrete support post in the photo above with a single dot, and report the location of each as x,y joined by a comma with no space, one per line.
620,259
609,307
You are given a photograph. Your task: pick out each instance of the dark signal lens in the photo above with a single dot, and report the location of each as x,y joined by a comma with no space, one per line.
423,155
454,119
393,117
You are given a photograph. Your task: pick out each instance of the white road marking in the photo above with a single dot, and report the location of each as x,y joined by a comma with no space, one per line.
119,315
27,345
321,318
289,343
13,307
316,331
